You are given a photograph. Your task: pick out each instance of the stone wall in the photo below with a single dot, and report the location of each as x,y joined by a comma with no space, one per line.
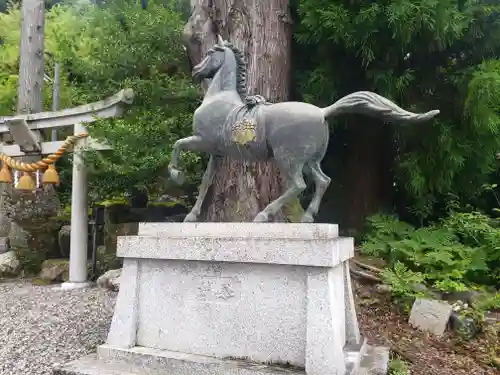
33,225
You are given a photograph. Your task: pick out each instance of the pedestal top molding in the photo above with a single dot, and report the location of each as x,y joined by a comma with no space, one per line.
316,245
242,230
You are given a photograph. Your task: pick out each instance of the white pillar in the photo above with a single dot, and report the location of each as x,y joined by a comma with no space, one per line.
79,219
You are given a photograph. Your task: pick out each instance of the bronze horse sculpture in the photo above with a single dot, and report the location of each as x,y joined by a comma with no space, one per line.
294,134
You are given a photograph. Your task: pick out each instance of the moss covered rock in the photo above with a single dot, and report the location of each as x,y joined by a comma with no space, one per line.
9,265
54,270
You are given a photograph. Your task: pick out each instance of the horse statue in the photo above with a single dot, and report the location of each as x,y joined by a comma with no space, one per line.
294,134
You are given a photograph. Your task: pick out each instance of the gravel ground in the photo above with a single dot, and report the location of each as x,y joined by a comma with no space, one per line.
41,327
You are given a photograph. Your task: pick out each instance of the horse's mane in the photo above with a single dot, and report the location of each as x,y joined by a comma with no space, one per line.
241,72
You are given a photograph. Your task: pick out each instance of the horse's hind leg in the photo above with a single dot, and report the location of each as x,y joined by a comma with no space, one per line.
296,185
321,180
205,184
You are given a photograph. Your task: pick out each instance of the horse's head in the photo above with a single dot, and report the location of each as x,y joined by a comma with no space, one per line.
212,62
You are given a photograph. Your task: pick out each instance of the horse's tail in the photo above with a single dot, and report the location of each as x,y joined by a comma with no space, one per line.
371,104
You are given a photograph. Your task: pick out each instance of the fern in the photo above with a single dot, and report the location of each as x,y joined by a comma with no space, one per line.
403,281
452,255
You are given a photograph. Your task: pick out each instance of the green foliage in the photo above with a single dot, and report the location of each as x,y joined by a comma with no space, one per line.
119,200
403,281
453,255
9,63
9,56
398,367
491,302
103,50
31,261
480,232
106,260
381,231
423,54
121,46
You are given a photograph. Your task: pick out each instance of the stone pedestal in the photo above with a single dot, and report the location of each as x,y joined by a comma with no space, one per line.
233,298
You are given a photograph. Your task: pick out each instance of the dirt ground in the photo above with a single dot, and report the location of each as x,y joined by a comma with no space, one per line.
383,324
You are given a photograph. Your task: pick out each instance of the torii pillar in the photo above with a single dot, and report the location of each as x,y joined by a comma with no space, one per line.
79,218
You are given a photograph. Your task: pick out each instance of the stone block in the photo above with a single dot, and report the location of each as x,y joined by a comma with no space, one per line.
110,280
9,264
4,245
430,315
274,243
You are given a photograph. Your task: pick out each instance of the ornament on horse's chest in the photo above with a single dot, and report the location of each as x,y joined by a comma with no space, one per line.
244,132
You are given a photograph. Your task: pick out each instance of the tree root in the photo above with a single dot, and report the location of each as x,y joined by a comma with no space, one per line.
367,267
365,275
404,354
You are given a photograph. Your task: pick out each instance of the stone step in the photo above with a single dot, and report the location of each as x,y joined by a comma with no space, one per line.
374,362
353,355
92,365
364,359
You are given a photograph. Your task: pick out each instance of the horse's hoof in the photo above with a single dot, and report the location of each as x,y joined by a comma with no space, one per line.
307,218
262,217
176,175
190,218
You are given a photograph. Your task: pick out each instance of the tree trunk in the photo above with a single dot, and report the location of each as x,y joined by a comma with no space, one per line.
262,30
368,182
31,65
30,85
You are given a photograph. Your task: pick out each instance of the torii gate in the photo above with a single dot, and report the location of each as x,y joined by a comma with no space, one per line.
27,144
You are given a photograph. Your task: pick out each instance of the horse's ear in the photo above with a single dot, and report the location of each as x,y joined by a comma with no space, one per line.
220,41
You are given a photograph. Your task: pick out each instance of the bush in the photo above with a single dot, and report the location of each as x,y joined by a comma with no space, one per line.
456,254
481,232
398,367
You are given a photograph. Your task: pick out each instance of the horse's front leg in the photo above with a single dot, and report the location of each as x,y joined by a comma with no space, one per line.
205,184
192,143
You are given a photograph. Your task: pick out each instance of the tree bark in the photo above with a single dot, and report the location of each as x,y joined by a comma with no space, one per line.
368,174
30,85
31,64
262,30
